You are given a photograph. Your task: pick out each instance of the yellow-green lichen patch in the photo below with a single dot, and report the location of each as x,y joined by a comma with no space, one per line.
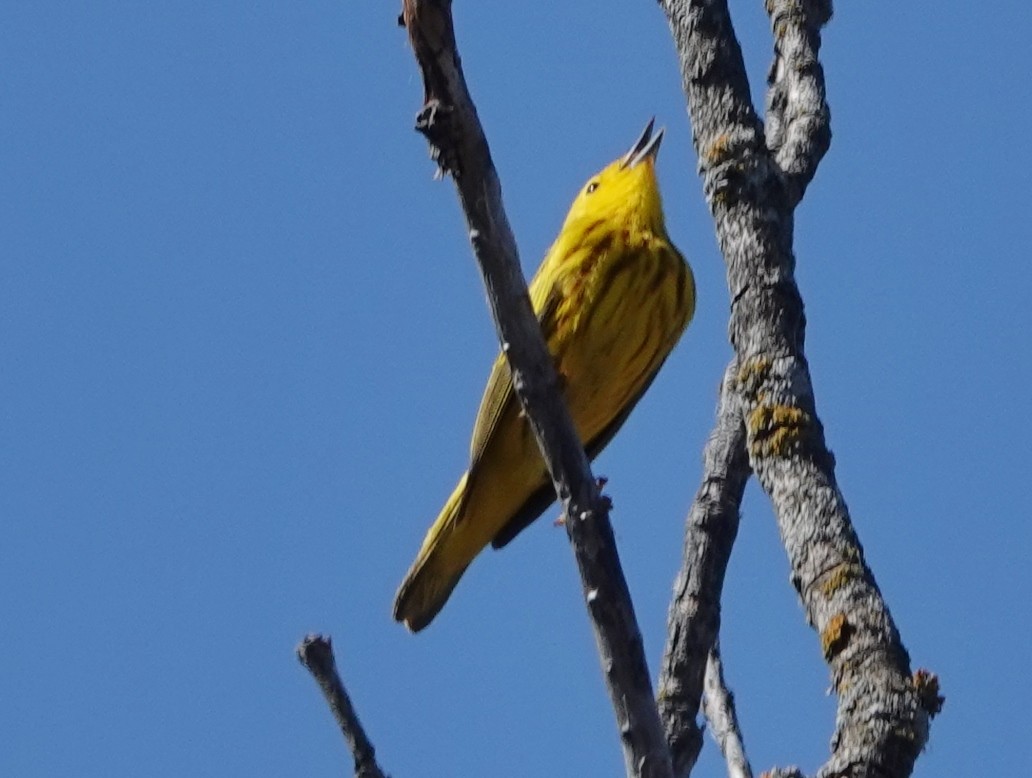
752,373
777,430
837,577
835,636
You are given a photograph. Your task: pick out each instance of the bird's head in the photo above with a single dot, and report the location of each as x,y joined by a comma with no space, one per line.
625,194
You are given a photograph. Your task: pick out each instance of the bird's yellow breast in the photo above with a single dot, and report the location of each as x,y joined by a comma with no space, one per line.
618,305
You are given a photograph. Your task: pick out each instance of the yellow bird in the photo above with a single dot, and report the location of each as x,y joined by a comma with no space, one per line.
613,296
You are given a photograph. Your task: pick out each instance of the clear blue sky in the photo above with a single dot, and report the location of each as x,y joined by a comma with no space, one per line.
242,342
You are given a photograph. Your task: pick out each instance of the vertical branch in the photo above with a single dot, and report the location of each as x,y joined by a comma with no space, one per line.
694,619
450,123
798,118
881,724
316,653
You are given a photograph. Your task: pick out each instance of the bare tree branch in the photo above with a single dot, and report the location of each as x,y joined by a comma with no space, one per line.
449,121
316,654
694,619
719,706
881,725
798,119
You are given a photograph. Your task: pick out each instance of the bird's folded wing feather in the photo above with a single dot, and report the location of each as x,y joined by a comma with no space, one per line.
499,395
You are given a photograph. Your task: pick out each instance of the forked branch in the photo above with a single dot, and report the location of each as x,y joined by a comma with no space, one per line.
752,185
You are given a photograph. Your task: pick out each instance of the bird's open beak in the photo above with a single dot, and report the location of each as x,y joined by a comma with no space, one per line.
646,146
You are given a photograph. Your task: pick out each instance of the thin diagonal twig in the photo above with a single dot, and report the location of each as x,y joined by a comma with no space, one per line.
316,653
718,704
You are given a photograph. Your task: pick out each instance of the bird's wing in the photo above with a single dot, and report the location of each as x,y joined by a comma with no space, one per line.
545,496
545,297
497,396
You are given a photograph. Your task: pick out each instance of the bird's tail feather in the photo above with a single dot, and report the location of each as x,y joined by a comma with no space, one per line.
441,561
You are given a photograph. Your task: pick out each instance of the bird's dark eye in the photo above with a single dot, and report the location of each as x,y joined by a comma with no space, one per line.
592,187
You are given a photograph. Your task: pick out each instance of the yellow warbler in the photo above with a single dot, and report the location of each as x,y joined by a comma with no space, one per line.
613,296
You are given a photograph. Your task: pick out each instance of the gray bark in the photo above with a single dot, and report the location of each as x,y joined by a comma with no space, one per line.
719,706
694,619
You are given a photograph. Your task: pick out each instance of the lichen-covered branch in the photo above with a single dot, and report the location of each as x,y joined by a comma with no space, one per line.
316,653
449,122
881,724
694,619
719,706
